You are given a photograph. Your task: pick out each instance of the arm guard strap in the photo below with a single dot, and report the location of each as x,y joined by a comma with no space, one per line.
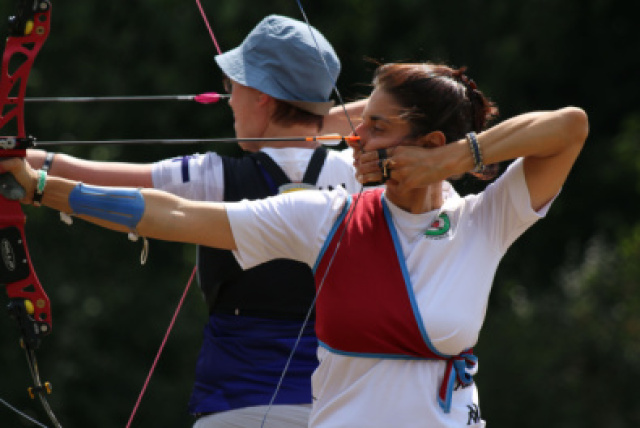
120,205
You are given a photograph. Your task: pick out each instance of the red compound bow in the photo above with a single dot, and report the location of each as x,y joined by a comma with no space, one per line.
28,303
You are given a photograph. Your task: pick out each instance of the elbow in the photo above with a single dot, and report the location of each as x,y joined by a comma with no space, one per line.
575,126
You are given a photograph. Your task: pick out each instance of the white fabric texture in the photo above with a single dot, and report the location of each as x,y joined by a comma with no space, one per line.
206,182
451,276
206,175
280,416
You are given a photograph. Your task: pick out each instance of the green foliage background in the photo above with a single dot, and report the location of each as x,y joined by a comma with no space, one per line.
560,347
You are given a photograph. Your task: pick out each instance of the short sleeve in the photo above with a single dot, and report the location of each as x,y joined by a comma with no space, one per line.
196,177
504,209
291,226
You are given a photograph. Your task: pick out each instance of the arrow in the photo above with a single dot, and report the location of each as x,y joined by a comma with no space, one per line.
9,143
205,98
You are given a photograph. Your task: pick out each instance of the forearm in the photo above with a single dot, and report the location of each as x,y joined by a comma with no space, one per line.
165,216
98,173
337,122
549,142
536,135
540,135
172,218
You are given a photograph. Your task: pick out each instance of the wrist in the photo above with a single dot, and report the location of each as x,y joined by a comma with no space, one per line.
476,152
48,161
40,183
36,157
458,160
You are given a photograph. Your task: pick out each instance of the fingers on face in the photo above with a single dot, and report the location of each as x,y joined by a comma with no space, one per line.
386,169
384,164
375,166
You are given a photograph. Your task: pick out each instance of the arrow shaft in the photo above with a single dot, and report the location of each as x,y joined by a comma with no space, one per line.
326,140
115,98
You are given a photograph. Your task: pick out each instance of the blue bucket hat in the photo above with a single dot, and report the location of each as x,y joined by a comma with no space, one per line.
280,58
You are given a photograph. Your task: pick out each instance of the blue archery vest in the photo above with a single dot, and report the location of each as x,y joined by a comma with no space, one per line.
255,315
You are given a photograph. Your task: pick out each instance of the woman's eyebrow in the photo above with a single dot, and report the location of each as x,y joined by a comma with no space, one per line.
378,118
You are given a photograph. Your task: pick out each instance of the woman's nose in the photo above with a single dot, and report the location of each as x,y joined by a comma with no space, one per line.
360,142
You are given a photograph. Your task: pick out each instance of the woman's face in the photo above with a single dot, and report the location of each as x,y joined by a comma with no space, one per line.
382,126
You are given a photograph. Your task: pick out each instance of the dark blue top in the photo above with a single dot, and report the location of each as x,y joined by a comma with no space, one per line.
255,315
242,359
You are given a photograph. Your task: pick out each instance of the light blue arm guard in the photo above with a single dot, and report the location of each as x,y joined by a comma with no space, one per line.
123,206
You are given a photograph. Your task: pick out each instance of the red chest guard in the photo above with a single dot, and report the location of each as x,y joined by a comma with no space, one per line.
366,306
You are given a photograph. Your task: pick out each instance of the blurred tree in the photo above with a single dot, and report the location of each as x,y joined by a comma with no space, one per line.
559,347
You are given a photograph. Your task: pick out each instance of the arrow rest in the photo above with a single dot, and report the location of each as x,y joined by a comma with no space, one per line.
17,143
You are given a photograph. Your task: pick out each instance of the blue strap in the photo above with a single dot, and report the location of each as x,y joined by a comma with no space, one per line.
456,370
272,185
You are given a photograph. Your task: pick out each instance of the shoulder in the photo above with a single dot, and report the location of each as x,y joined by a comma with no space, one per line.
174,173
334,198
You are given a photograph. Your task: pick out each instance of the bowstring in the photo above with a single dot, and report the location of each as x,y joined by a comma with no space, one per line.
206,22
326,67
335,251
162,345
348,219
39,387
193,273
36,390
24,415
31,357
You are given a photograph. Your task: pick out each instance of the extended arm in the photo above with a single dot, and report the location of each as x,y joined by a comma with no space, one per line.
99,173
550,142
165,216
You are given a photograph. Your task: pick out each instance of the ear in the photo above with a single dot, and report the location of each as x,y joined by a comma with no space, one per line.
264,99
433,139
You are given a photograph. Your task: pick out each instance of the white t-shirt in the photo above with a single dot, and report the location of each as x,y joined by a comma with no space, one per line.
200,177
451,276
